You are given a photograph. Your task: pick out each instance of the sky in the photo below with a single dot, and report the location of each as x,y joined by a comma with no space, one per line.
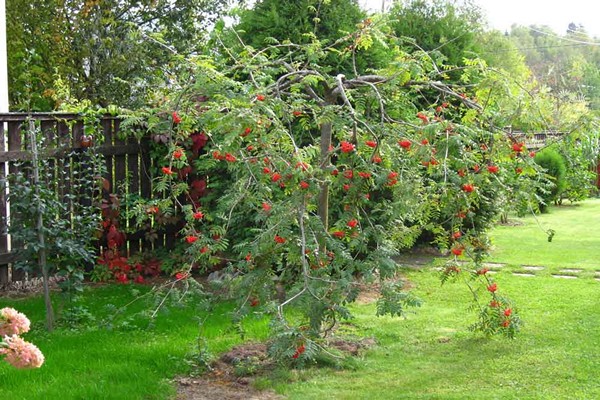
557,14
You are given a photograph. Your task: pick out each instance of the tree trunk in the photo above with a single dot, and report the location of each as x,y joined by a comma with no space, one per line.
326,129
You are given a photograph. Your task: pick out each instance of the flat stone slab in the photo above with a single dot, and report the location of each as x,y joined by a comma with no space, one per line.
533,268
523,274
564,276
570,270
493,265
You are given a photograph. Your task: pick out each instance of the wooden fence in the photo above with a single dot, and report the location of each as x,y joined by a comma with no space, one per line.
128,167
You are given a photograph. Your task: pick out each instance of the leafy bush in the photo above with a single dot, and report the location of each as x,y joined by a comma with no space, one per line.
555,168
580,153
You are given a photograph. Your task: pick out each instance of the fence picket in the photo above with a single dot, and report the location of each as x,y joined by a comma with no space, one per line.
128,167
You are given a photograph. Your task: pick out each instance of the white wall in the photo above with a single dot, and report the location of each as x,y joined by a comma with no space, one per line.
3,68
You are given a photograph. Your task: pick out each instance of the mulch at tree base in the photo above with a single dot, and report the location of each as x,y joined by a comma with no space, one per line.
223,384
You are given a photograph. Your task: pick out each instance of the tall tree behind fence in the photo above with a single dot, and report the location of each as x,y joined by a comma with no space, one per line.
128,169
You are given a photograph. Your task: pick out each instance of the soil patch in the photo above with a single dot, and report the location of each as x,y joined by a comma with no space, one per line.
29,287
223,383
511,222
370,292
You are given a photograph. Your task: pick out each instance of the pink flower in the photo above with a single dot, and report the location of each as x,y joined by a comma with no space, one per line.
21,354
13,322
346,147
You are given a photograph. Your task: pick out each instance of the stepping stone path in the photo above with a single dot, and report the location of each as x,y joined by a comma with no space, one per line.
564,276
493,267
533,268
568,273
529,270
524,274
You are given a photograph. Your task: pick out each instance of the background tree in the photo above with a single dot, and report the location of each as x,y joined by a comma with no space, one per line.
448,30
99,50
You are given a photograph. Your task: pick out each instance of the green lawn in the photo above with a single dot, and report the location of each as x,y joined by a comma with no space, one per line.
576,243
429,355
128,361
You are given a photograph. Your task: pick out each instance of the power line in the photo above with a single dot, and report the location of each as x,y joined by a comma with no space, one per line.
535,48
564,38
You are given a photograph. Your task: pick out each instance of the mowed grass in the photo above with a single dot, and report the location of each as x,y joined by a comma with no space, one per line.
130,361
428,355
576,243
432,355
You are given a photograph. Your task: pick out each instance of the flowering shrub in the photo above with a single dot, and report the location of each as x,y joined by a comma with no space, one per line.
13,349
307,182
13,322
